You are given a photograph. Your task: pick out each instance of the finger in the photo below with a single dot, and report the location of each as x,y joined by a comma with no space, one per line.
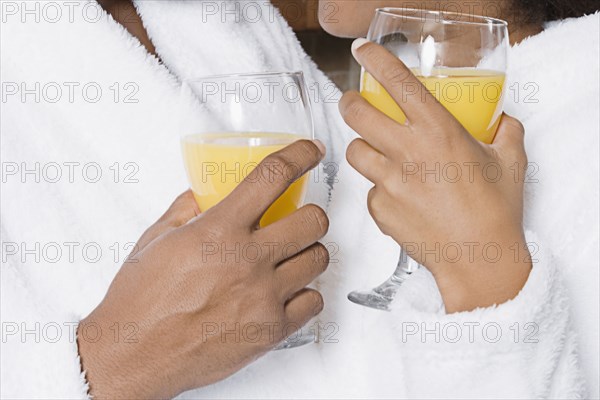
403,86
374,126
255,194
182,210
509,146
296,232
366,160
379,208
297,272
305,305
510,134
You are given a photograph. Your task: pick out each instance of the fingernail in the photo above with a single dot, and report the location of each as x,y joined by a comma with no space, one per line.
321,146
356,44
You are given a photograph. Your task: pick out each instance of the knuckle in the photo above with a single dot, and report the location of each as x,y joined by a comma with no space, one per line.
170,219
372,53
371,202
517,154
392,187
515,124
181,200
317,301
321,256
352,150
175,215
523,159
396,75
211,239
308,148
274,168
369,51
522,162
353,110
374,203
277,161
315,214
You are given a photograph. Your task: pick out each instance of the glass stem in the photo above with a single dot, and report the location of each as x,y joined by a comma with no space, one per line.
406,266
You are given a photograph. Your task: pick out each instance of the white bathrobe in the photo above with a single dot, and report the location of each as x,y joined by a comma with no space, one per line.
64,238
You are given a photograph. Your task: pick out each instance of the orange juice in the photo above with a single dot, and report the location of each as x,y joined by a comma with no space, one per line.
473,97
217,163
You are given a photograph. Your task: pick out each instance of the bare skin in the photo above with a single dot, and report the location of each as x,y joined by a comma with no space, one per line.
412,209
181,292
184,289
175,287
415,208
124,12
351,18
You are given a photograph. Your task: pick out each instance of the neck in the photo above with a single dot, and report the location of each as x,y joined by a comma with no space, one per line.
124,12
519,33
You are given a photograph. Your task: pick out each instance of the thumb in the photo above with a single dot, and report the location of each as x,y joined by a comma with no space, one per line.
510,136
183,209
509,145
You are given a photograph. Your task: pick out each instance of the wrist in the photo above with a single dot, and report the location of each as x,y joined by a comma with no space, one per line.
104,363
91,352
492,276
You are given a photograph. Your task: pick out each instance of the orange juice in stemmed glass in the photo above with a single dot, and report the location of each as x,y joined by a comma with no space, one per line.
461,59
240,120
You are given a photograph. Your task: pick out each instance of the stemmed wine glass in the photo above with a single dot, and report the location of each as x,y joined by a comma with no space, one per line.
461,59
239,120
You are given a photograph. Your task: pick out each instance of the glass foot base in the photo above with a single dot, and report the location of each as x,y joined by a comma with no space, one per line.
382,296
371,299
297,340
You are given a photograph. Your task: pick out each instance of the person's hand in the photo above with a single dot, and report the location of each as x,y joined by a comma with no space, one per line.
201,299
453,203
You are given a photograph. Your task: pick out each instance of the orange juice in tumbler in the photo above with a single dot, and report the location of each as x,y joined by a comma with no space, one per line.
217,163
473,97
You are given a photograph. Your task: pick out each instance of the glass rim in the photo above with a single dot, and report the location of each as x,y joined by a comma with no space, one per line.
479,20
246,75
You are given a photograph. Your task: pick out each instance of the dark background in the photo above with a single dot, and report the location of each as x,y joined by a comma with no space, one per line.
331,54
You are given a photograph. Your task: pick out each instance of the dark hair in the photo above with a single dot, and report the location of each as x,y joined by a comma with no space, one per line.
550,10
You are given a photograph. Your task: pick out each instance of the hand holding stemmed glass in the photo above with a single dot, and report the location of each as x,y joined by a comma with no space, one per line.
472,209
247,118
199,298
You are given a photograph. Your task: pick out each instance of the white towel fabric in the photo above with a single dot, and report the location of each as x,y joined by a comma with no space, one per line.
362,353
